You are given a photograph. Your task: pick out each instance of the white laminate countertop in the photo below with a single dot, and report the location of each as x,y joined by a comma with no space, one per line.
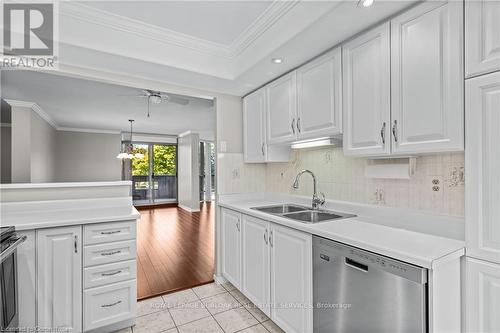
417,248
60,213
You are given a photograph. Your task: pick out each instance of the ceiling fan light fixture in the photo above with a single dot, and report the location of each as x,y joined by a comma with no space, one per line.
155,99
365,3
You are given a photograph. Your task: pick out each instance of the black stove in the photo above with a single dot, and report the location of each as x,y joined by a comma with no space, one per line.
6,232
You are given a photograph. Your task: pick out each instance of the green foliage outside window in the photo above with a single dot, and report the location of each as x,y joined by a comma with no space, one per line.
164,160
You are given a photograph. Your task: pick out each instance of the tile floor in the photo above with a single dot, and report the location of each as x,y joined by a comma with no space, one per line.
208,308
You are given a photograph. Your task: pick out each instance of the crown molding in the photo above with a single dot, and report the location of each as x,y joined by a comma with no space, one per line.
35,107
87,130
45,116
145,30
263,23
259,26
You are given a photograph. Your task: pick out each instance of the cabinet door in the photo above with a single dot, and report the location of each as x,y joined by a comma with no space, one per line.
366,93
483,296
26,273
254,147
482,36
291,279
319,97
255,283
482,186
59,278
281,97
231,246
427,79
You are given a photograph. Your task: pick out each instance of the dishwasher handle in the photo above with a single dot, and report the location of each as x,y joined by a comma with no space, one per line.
356,265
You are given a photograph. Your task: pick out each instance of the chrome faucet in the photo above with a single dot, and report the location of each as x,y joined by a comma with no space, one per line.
316,201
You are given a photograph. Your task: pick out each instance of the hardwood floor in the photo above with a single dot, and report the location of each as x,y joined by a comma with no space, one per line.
175,249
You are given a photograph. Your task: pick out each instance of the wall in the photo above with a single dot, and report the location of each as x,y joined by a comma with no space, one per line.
21,143
234,176
342,178
188,172
5,142
43,150
84,157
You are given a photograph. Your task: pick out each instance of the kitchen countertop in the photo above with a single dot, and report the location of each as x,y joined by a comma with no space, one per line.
417,248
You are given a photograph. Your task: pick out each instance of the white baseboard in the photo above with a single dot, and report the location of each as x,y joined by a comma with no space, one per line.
219,279
188,209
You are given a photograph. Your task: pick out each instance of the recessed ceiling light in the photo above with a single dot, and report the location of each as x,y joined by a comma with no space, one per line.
366,3
277,60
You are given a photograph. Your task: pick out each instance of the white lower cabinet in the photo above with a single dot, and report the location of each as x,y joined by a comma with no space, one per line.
83,276
59,278
256,281
231,246
109,304
483,296
291,279
276,269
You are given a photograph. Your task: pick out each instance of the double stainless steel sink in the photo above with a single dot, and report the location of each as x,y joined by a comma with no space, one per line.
302,214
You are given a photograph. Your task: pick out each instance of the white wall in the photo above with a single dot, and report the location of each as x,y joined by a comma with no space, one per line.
21,145
188,172
43,150
87,157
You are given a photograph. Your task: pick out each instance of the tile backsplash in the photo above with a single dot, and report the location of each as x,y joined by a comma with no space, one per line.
435,187
343,178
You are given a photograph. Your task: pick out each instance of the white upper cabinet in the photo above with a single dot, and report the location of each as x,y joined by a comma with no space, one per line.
482,38
482,113
231,246
366,93
281,96
427,79
253,127
256,274
319,97
59,277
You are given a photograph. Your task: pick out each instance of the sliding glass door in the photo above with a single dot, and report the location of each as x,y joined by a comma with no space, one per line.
154,177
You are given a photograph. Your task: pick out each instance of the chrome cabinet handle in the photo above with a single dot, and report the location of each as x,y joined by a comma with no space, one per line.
76,244
265,237
382,133
293,125
262,148
110,305
271,238
298,125
110,232
395,130
111,274
110,253
238,225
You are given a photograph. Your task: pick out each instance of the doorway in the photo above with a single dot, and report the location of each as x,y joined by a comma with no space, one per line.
154,176
207,171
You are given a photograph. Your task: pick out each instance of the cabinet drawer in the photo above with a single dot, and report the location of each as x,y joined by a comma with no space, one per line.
108,232
109,304
109,252
109,273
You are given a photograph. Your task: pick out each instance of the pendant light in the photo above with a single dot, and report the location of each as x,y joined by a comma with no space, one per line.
127,154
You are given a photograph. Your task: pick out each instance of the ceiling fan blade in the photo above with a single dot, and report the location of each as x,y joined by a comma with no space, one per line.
176,100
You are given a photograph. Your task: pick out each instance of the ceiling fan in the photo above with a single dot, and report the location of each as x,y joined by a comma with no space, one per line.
157,97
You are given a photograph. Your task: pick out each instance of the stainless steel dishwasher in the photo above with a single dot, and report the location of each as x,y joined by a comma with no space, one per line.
357,291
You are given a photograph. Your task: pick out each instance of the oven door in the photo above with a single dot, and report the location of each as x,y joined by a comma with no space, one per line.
8,285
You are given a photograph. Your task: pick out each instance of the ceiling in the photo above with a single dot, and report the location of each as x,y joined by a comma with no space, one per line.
84,104
216,21
217,46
